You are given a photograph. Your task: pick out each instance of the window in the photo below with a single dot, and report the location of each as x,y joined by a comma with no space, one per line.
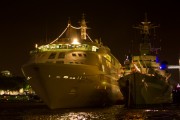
52,55
61,55
80,55
85,55
73,54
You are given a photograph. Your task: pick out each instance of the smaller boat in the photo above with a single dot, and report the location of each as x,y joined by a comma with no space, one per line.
145,80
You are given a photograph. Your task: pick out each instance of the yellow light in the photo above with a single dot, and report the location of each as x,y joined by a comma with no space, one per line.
75,41
36,45
21,90
103,82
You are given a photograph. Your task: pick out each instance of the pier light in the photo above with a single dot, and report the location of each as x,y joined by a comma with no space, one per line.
75,41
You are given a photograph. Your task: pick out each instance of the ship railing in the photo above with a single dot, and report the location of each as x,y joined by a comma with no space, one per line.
85,47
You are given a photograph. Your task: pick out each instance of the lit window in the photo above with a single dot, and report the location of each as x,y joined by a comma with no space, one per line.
58,77
65,77
94,48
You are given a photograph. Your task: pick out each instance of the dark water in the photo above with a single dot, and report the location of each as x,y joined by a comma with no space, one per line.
29,111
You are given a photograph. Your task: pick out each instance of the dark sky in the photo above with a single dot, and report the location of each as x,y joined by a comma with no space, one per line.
26,22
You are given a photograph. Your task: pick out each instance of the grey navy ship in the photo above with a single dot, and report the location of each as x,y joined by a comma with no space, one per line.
145,80
74,71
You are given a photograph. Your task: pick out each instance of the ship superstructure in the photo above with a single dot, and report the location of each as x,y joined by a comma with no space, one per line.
74,71
144,81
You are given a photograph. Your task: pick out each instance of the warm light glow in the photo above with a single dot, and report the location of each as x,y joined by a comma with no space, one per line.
103,68
75,41
65,77
58,77
103,82
28,78
94,48
36,45
151,110
1,92
21,90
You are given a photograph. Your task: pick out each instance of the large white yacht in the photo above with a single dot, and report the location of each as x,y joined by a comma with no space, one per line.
74,71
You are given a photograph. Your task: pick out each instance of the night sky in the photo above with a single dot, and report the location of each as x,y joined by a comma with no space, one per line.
24,23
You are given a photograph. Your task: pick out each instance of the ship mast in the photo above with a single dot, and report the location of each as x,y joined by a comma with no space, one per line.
145,27
83,28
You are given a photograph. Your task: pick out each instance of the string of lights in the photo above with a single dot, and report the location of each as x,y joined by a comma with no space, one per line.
69,25
60,34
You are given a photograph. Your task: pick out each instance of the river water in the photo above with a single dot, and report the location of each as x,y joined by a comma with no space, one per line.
19,111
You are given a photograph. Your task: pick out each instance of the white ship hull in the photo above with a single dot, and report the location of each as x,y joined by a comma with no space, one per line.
67,86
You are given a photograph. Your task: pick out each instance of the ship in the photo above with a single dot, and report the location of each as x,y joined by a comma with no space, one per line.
74,71
145,80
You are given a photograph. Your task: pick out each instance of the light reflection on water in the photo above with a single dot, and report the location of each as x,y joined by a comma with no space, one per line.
117,112
111,113
78,116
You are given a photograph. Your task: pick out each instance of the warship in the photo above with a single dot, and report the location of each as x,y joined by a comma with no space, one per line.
145,79
74,71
